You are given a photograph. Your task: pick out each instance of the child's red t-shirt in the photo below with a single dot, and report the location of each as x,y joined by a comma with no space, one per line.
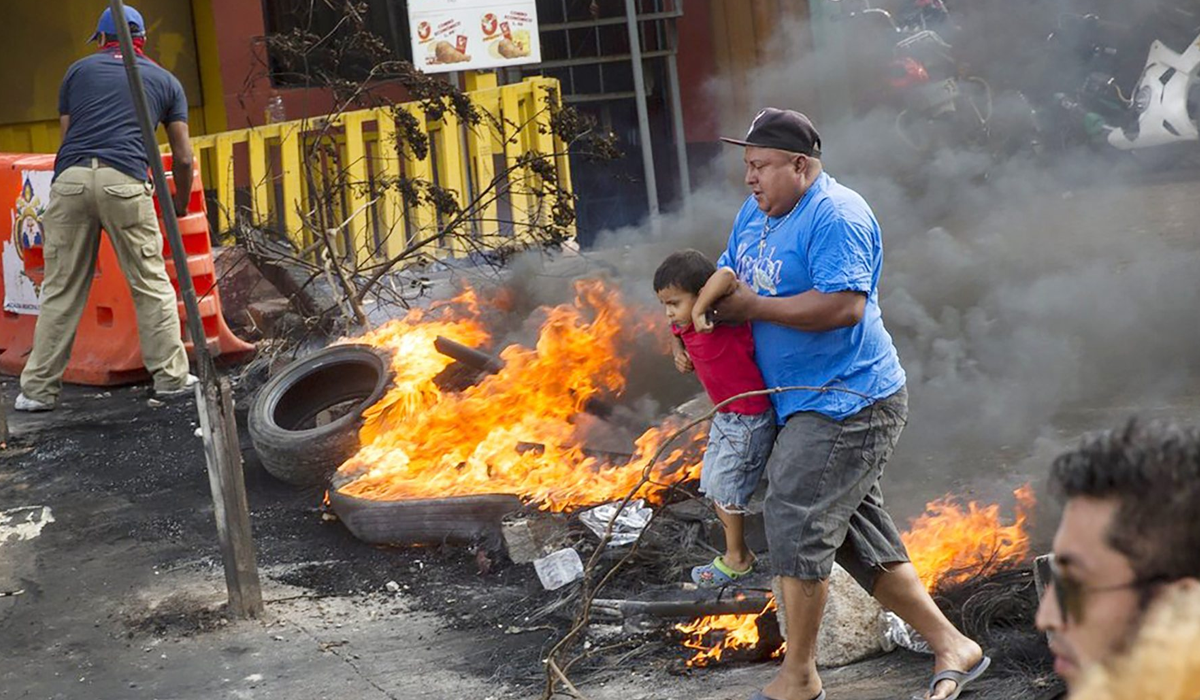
724,361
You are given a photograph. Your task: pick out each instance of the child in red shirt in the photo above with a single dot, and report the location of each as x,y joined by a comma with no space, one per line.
743,431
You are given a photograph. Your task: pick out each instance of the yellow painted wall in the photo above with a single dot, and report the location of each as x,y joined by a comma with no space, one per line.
38,44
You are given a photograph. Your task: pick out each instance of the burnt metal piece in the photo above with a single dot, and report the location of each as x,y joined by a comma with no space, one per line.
679,602
469,356
490,364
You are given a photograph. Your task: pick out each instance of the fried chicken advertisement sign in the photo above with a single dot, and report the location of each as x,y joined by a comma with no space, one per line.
454,35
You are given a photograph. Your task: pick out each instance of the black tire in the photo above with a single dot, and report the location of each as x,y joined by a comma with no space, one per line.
344,380
430,521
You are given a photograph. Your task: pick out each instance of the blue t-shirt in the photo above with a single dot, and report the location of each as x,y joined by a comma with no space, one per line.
830,243
95,95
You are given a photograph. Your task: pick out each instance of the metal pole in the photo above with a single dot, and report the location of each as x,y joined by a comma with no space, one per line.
681,157
639,86
214,398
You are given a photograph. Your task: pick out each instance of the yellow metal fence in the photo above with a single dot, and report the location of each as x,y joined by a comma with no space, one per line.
278,175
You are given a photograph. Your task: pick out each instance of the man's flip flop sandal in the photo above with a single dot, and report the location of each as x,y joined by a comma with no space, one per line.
961,679
717,574
759,696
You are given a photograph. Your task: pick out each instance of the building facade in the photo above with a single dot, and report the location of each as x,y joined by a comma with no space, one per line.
218,49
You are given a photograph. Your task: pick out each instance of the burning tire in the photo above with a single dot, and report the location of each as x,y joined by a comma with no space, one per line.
305,421
455,520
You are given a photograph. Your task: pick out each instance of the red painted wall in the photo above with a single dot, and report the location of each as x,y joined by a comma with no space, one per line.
696,67
240,29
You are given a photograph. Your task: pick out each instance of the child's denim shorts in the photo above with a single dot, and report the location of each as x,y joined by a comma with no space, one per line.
738,447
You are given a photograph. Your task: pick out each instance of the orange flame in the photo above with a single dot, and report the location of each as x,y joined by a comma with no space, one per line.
950,543
727,632
418,442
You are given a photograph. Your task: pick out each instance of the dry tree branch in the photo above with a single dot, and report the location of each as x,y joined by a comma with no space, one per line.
553,666
587,592
469,213
347,59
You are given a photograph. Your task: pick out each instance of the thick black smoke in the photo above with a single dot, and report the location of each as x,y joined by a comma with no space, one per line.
1023,295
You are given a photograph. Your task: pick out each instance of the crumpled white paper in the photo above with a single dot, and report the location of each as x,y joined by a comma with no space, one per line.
632,519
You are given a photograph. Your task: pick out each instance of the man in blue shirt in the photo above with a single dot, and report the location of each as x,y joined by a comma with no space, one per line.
808,255
100,181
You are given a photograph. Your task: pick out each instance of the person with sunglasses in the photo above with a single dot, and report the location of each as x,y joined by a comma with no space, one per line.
1129,535
1164,661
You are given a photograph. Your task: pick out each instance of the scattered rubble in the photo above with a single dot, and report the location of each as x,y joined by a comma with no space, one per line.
532,535
559,568
853,627
627,523
250,303
180,615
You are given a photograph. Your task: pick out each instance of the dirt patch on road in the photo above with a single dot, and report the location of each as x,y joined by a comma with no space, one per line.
178,616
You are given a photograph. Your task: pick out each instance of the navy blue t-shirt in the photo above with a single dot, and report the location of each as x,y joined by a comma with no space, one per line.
95,95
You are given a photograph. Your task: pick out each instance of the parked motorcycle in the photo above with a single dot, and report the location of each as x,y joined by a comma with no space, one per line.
1166,101
1153,113
939,103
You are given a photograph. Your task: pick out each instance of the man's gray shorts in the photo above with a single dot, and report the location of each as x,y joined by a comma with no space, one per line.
823,496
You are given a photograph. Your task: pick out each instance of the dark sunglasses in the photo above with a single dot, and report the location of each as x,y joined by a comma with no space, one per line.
1071,595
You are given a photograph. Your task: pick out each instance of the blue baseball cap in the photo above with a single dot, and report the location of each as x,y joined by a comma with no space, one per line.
106,25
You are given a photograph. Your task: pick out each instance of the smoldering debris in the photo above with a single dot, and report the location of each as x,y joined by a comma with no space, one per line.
998,611
1017,290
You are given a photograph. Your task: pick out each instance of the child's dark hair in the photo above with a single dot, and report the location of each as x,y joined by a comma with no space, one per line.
687,270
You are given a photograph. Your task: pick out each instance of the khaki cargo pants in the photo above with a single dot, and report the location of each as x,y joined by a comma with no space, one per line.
84,199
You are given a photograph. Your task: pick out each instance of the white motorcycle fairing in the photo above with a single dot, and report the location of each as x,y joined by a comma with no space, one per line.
1163,105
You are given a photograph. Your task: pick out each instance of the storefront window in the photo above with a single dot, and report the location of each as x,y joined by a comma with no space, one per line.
317,43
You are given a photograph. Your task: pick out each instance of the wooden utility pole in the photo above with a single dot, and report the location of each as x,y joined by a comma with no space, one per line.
3,426
214,399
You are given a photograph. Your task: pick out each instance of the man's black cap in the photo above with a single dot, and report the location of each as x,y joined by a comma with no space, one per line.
783,129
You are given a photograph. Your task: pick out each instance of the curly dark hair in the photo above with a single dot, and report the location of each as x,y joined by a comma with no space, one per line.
1152,470
686,270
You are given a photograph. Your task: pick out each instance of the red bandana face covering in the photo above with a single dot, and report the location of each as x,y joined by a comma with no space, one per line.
139,46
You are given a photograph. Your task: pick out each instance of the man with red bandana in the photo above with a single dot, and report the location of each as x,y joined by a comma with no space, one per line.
100,181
